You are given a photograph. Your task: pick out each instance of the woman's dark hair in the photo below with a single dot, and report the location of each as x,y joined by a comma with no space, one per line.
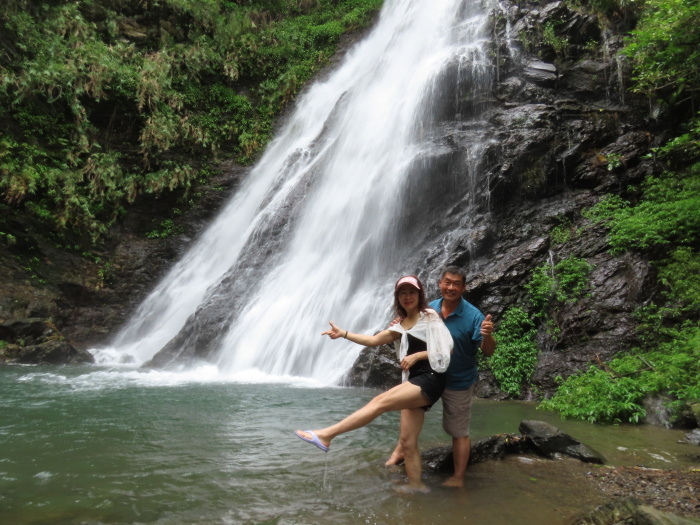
422,303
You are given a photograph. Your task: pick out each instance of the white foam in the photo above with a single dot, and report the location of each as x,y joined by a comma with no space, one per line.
123,377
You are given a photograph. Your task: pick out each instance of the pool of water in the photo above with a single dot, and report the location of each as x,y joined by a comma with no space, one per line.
102,445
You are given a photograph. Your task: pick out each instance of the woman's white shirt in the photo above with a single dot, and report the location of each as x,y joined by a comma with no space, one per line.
432,330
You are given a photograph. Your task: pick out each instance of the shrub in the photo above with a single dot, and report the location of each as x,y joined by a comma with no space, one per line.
514,362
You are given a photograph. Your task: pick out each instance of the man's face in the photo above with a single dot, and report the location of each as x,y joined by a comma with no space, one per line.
452,287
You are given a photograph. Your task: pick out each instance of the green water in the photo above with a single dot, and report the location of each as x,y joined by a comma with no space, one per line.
90,445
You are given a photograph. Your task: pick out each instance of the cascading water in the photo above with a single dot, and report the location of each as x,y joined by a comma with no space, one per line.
339,206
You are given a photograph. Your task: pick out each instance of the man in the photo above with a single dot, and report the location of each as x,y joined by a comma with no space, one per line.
470,331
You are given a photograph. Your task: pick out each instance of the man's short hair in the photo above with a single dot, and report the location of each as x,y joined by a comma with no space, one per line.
455,270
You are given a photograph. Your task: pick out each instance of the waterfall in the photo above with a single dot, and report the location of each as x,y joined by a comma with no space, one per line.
339,206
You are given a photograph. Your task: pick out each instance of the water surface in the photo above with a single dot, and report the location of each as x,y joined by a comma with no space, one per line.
103,445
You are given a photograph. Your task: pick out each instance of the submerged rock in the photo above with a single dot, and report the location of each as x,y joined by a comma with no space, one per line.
692,437
549,441
538,437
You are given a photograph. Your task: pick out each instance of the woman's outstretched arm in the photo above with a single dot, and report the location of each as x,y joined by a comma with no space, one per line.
382,338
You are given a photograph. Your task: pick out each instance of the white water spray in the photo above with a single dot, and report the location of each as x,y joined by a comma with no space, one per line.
350,156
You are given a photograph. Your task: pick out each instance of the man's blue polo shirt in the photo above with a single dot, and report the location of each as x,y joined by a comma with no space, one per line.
465,326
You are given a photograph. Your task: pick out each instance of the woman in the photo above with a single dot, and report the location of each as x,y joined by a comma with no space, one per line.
424,353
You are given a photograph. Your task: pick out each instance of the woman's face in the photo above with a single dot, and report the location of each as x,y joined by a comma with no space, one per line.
408,297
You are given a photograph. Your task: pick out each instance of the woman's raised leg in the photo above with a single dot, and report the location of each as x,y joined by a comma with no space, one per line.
405,395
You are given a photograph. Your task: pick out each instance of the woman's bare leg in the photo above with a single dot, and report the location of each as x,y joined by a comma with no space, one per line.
397,455
405,395
411,425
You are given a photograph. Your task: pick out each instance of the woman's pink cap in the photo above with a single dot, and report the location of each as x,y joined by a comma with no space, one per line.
408,280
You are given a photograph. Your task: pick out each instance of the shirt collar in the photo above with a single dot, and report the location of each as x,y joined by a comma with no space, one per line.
458,311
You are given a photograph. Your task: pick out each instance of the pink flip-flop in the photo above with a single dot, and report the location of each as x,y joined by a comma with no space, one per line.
313,439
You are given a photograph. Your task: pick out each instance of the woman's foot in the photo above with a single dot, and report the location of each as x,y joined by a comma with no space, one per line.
311,437
407,488
396,458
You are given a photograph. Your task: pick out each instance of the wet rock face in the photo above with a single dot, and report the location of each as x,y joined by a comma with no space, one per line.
85,297
375,368
35,341
560,132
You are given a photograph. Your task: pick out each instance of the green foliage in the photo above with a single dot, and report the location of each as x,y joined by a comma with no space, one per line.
614,161
8,239
596,397
665,221
669,213
685,147
680,273
664,50
101,109
541,287
166,229
561,233
572,279
606,209
550,38
514,362
566,282
615,395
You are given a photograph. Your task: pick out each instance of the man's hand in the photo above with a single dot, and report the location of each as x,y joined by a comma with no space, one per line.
488,343
395,321
487,326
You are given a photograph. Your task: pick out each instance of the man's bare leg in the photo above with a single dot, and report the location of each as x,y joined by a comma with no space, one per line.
460,454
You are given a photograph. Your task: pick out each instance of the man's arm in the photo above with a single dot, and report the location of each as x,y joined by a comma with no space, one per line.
488,343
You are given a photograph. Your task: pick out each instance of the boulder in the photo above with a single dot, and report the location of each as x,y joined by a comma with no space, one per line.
547,440
374,368
538,437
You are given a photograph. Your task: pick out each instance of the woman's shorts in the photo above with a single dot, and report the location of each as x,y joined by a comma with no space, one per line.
431,386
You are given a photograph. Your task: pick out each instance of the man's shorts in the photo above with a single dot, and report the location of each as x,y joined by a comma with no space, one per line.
457,411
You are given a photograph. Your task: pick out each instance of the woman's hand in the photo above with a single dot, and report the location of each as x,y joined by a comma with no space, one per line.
408,361
335,332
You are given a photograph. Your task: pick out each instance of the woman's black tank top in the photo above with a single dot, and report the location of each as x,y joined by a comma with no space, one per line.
422,366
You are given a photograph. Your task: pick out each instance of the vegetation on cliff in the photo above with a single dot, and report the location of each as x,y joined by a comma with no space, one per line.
105,100
661,220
